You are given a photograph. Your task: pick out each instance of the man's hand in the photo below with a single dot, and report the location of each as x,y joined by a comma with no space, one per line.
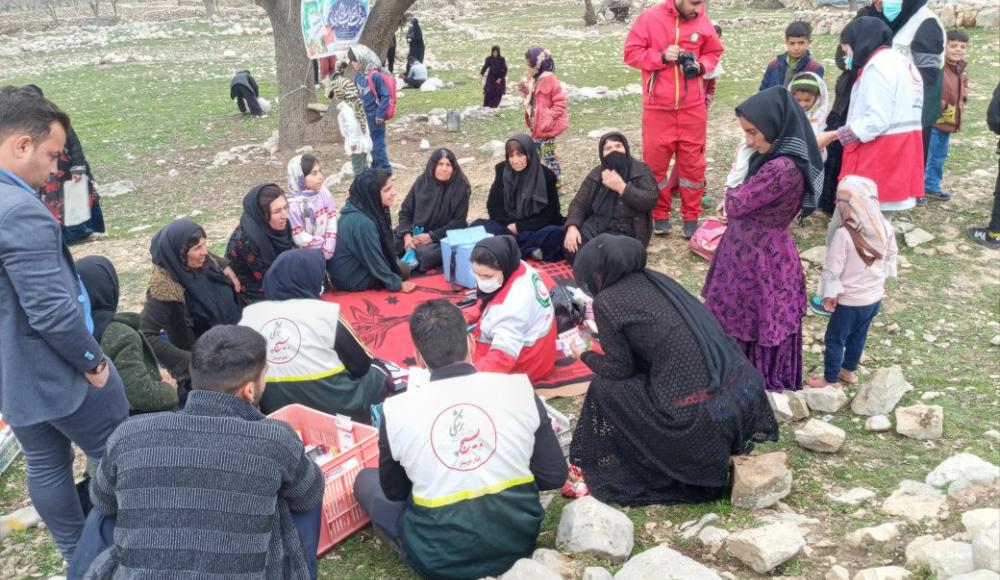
99,379
512,228
232,279
672,52
613,181
573,239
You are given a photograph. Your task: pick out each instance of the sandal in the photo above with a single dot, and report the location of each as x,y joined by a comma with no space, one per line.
818,382
852,380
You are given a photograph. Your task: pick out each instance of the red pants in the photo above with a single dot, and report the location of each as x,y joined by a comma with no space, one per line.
680,133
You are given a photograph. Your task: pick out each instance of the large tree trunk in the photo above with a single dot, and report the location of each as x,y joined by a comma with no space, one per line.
589,17
95,7
211,7
383,20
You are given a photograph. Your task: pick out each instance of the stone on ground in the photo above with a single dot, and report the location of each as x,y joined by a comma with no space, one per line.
915,545
917,236
591,527
826,399
18,521
922,422
820,436
946,558
116,188
881,394
975,521
805,524
595,573
760,481
837,573
977,575
493,148
525,569
552,560
767,547
598,133
692,530
664,564
884,573
986,548
963,466
915,501
788,406
815,255
852,497
712,538
878,424
876,534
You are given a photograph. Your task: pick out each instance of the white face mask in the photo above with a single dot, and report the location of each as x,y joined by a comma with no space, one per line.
488,285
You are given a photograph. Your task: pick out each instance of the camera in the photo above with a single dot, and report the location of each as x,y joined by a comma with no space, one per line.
689,65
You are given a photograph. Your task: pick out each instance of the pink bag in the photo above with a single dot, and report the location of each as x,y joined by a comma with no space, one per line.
706,239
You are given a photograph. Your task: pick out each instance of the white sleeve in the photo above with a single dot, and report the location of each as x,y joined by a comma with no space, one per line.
876,113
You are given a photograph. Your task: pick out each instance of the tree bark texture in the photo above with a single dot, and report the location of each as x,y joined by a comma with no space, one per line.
589,16
383,20
211,8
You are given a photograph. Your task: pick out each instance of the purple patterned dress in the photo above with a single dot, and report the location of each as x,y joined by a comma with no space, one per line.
755,286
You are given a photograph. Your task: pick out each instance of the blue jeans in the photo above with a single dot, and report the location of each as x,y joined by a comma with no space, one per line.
380,157
48,454
937,152
845,338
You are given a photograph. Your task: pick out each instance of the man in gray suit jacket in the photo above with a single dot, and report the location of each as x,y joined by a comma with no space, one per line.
56,385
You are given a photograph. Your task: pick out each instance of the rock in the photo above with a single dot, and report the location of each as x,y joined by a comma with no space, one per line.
837,573
946,558
591,527
760,481
425,144
975,521
598,133
993,433
914,501
902,227
819,436
923,422
917,544
304,150
977,575
986,549
805,524
882,393
765,548
877,534
815,255
928,337
788,406
878,424
995,341
525,569
712,538
116,188
917,236
223,158
988,17
19,520
229,53
552,560
692,530
493,148
663,563
884,573
853,497
826,399
963,466
595,573
173,173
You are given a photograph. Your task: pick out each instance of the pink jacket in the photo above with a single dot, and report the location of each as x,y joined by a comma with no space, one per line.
550,118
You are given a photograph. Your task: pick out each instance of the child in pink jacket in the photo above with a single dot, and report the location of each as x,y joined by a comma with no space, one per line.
311,209
544,106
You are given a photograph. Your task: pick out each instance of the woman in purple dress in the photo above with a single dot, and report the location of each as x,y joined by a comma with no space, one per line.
494,72
755,286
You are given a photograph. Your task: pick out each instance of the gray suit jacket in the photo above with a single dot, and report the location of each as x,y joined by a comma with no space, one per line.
45,346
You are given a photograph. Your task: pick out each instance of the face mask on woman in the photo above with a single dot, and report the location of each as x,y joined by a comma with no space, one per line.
891,9
488,285
848,62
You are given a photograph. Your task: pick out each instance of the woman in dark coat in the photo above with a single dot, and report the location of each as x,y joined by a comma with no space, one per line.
190,291
415,38
263,234
524,202
495,81
673,398
615,198
437,202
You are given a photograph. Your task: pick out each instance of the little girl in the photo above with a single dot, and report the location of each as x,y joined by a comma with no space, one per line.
544,106
861,254
311,209
351,119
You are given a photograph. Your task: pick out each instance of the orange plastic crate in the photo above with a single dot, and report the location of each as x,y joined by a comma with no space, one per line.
342,516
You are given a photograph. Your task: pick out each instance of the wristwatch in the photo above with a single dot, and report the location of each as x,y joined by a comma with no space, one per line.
100,367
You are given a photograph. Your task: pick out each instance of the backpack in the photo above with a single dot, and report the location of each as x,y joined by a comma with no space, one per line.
389,82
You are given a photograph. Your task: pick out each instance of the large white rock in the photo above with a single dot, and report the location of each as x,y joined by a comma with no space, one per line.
882,393
788,406
760,481
116,188
820,436
978,575
837,573
19,520
975,521
852,497
826,399
873,535
915,501
884,573
917,544
805,524
917,236
552,560
878,423
767,547
663,563
595,573
493,148
922,422
988,17
946,558
590,527
963,466
986,548
525,569
712,538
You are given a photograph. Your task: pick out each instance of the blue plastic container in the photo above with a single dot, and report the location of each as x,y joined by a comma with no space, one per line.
460,244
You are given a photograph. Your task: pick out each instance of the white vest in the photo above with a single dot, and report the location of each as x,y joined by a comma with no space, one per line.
464,437
356,141
887,99
300,337
903,39
524,317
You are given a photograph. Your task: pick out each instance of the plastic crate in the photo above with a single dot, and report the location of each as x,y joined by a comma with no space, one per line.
9,447
342,516
565,435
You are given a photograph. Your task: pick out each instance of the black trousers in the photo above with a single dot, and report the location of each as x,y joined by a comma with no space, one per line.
245,98
995,216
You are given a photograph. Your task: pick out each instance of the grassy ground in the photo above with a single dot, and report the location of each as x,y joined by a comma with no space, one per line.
138,120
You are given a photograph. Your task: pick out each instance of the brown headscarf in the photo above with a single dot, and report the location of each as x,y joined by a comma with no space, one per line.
864,221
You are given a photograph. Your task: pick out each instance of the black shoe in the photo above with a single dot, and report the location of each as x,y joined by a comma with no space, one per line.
921,202
690,228
661,227
985,237
938,195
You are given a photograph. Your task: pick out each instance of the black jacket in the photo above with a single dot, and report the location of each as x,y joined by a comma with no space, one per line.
548,216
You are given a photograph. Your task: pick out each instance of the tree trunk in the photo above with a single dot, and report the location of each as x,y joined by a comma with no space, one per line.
114,8
383,20
50,9
589,17
95,7
852,5
211,7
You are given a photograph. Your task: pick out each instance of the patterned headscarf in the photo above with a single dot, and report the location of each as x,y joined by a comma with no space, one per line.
541,61
346,91
865,223
364,55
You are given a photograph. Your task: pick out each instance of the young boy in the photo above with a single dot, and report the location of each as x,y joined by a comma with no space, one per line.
954,94
794,61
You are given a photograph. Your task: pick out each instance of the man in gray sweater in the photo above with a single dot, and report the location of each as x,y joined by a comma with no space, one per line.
214,491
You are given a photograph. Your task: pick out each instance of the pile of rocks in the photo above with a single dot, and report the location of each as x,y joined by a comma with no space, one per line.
962,14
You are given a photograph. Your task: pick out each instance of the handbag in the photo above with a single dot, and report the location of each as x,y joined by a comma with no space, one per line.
706,238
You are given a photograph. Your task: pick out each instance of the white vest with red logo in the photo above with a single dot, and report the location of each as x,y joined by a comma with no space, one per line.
300,337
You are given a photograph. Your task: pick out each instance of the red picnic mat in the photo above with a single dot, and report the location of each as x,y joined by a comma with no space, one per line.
380,318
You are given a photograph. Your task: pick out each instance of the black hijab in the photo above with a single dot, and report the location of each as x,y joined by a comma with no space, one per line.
783,123
433,199
496,49
256,228
910,7
297,274
209,294
508,255
525,193
865,35
603,203
366,195
101,281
